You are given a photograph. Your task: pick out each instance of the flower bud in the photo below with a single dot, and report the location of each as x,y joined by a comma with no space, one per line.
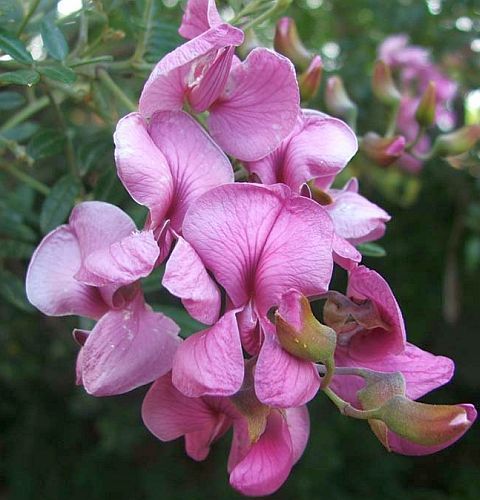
337,100
247,403
425,114
457,142
382,150
424,424
302,335
309,81
383,85
288,43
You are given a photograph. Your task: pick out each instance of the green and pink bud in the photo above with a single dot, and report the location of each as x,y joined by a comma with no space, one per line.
457,142
426,110
383,85
383,150
309,81
288,43
338,102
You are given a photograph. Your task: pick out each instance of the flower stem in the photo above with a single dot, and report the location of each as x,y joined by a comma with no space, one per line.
27,179
27,17
347,409
147,25
116,90
392,121
25,113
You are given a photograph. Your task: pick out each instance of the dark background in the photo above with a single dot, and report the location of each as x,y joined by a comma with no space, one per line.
57,442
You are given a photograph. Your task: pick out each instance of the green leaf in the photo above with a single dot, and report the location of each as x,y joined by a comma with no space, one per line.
15,249
53,40
11,13
188,326
58,203
45,143
20,77
371,250
11,100
58,72
21,132
15,48
12,290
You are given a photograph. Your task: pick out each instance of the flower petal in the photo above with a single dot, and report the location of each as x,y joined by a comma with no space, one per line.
423,371
298,422
166,86
186,277
128,348
142,167
210,363
259,107
261,241
123,262
196,163
268,462
319,146
282,380
345,254
199,16
50,282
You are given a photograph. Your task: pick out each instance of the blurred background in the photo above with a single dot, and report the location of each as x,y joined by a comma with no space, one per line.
57,114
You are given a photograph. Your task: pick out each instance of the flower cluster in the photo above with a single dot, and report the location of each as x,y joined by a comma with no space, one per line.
246,259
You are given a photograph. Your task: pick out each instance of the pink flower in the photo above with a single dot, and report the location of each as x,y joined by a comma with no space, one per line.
166,164
257,467
252,104
375,339
258,242
91,267
318,148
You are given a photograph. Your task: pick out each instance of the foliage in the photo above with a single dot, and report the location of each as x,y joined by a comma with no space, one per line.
57,113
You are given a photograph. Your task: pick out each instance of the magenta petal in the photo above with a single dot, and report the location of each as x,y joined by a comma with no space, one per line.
50,282
197,444
199,16
128,348
186,277
196,163
212,81
123,262
261,241
210,363
142,167
423,371
344,253
404,447
249,329
267,463
259,107
282,380
319,146
166,86
168,414
355,218
298,422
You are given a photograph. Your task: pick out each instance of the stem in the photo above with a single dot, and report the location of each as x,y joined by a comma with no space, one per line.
147,23
347,409
421,131
93,60
25,113
262,17
392,122
27,179
30,13
83,30
116,90
247,10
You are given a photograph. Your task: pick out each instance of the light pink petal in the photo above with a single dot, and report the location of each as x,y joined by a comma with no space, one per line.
282,380
212,82
128,348
199,16
186,277
166,86
422,370
261,241
142,167
354,217
259,107
249,329
196,163
298,422
210,363
123,262
404,447
50,282
268,462
319,146
364,283
168,414
345,254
